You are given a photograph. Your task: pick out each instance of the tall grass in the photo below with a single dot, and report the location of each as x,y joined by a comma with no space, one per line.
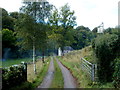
30,70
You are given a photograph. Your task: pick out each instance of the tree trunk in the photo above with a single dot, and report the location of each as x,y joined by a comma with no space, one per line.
43,56
34,58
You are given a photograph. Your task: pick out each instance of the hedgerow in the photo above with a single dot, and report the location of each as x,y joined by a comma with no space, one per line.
106,49
13,76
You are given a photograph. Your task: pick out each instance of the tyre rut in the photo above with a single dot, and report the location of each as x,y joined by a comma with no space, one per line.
69,81
49,77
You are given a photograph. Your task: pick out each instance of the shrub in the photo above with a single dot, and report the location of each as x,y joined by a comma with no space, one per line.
106,50
13,76
116,75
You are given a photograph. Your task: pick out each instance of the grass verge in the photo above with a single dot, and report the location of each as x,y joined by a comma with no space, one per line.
58,81
41,75
72,62
30,70
82,79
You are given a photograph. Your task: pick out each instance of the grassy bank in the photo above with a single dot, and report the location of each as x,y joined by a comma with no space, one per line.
72,62
58,81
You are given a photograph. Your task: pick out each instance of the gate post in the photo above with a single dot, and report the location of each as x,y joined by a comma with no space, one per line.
93,72
25,70
96,77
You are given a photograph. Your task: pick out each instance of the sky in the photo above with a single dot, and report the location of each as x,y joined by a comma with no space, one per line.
89,13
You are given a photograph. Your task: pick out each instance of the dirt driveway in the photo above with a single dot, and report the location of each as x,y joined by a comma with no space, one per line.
49,77
69,81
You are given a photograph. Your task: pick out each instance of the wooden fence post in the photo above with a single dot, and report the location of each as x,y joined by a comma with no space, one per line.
25,70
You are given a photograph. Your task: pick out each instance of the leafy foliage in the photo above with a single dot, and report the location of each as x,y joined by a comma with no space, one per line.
62,23
36,26
14,15
8,38
106,49
7,21
38,10
82,28
13,76
82,37
67,18
95,30
116,75
29,31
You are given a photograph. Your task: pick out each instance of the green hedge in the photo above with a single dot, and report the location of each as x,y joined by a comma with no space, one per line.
116,75
106,48
13,76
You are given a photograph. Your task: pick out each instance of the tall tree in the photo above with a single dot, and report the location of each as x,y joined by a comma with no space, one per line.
8,42
8,38
30,32
67,17
82,38
63,23
7,21
55,30
40,11
82,28
14,15
67,21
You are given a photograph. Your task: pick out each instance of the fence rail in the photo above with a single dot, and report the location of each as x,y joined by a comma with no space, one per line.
91,69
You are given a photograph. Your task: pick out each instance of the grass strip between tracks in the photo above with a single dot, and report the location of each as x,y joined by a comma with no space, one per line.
58,81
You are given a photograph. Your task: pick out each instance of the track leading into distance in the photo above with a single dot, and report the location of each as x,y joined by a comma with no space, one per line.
49,77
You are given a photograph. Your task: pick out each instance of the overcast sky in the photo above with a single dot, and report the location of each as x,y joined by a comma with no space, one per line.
89,13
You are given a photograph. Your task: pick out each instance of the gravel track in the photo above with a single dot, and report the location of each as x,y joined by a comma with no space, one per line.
69,81
49,77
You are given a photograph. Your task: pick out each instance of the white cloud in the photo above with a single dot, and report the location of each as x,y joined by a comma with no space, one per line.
90,13
11,5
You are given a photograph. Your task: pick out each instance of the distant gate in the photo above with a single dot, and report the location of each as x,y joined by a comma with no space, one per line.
91,69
